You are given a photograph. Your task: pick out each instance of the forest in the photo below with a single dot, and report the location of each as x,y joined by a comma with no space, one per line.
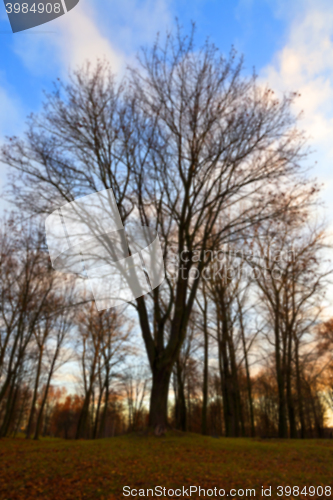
237,341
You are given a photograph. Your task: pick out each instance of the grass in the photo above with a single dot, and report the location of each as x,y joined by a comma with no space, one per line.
59,469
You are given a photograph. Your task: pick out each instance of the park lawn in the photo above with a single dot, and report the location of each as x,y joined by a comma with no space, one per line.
59,469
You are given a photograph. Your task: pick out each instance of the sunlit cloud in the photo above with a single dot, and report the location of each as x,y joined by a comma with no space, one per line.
91,32
305,65
72,39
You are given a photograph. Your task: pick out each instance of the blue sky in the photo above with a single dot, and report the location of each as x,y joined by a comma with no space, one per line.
31,60
291,47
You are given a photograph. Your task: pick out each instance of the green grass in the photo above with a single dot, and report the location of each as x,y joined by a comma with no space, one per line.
58,469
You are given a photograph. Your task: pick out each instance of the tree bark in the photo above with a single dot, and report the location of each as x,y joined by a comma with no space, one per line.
299,390
34,397
158,412
41,410
290,401
204,429
181,409
247,370
9,410
282,430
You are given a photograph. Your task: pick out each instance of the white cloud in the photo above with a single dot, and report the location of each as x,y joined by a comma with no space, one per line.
305,65
10,124
114,31
65,43
82,40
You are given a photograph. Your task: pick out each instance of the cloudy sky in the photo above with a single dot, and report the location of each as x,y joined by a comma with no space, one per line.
290,44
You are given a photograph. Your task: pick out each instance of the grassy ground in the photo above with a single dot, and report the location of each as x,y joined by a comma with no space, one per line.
57,469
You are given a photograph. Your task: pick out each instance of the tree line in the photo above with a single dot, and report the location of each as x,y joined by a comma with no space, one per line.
236,338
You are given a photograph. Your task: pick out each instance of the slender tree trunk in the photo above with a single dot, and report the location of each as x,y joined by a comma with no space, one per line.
231,413
13,405
98,412
7,382
9,410
34,397
223,368
239,417
82,423
299,390
41,410
248,378
19,420
280,374
106,403
290,401
318,426
204,429
181,410
11,372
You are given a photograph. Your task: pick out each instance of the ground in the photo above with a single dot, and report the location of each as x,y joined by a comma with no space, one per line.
58,469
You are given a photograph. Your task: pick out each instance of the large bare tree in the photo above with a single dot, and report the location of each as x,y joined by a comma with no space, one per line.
185,142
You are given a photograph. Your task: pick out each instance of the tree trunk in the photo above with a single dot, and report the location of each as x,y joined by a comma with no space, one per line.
204,429
105,409
19,419
223,368
34,398
158,412
239,418
299,390
82,423
181,409
41,410
279,373
290,401
247,370
9,410
100,396
228,376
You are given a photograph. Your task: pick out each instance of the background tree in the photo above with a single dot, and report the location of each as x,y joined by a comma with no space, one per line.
102,345
291,277
26,288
